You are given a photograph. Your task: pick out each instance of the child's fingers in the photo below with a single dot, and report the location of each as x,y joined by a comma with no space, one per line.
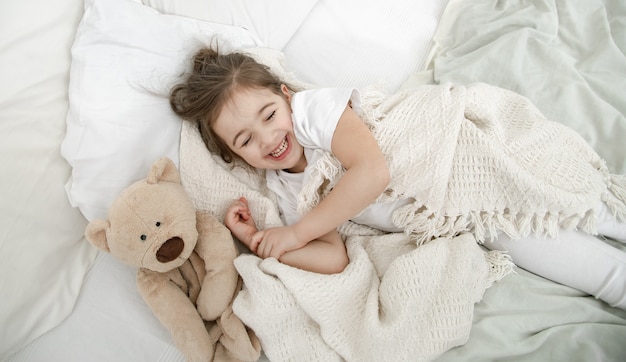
234,217
239,208
242,208
276,252
255,241
264,250
244,215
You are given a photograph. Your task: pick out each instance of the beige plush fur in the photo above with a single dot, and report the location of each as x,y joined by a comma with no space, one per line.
185,259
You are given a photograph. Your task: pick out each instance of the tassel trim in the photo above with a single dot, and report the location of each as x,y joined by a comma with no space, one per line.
616,198
426,225
500,263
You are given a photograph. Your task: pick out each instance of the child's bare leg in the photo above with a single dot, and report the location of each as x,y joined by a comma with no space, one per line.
326,255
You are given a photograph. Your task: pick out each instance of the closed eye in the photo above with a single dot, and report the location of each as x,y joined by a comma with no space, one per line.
271,116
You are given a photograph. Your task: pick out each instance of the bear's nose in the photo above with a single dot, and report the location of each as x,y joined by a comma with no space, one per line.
170,250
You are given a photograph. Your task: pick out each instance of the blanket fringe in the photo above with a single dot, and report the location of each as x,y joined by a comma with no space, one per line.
616,198
426,225
501,265
588,223
327,168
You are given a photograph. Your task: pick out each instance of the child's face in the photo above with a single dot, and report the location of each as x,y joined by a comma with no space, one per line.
256,125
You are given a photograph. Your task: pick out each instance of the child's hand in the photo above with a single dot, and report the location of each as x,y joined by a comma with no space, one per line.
239,221
275,242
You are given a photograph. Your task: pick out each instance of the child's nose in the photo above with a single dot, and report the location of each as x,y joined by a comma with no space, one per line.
268,141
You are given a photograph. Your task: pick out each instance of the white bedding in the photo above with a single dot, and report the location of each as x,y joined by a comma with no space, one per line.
43,257
61,301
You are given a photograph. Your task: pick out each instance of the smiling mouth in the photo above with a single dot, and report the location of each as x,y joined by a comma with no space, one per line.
280,150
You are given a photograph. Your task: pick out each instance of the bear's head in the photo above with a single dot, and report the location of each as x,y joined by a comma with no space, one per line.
151,224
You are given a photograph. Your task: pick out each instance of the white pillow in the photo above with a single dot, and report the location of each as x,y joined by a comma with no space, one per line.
125,50
356,43
125,58
272,21
347,43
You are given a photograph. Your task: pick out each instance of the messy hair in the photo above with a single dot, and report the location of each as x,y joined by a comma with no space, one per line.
211,84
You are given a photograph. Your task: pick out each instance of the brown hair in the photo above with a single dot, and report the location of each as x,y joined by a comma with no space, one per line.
211,84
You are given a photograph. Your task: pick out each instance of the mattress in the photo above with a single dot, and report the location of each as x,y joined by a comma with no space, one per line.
65,128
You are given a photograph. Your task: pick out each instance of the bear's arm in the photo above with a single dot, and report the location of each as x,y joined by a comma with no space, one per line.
177,313
217,248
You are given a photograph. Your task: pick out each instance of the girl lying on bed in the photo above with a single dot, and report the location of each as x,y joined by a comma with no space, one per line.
433,161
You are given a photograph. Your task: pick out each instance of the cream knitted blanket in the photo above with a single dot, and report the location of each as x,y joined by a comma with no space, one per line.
476,159
479,159
394,301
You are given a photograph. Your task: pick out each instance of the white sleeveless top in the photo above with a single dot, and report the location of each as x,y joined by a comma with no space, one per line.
315,114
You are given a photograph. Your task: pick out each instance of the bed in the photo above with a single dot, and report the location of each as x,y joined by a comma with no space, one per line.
73,73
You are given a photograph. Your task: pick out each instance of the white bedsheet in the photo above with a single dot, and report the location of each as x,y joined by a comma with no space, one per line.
522,318
43,258
111,322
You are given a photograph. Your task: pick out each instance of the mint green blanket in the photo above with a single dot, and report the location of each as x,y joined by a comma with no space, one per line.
568,57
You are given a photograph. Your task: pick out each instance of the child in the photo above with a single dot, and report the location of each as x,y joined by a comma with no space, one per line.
245,113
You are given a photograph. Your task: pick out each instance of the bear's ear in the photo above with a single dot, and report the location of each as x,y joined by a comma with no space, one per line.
96,234
163,170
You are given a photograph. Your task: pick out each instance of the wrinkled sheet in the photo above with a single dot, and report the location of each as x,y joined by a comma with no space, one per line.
568,57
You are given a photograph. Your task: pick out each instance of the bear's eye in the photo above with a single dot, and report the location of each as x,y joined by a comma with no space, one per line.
158,223
143,237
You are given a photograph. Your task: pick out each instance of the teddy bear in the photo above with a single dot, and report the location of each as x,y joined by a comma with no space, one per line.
185,265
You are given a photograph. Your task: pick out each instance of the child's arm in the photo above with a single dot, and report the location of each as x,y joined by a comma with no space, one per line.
327,254
365,179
